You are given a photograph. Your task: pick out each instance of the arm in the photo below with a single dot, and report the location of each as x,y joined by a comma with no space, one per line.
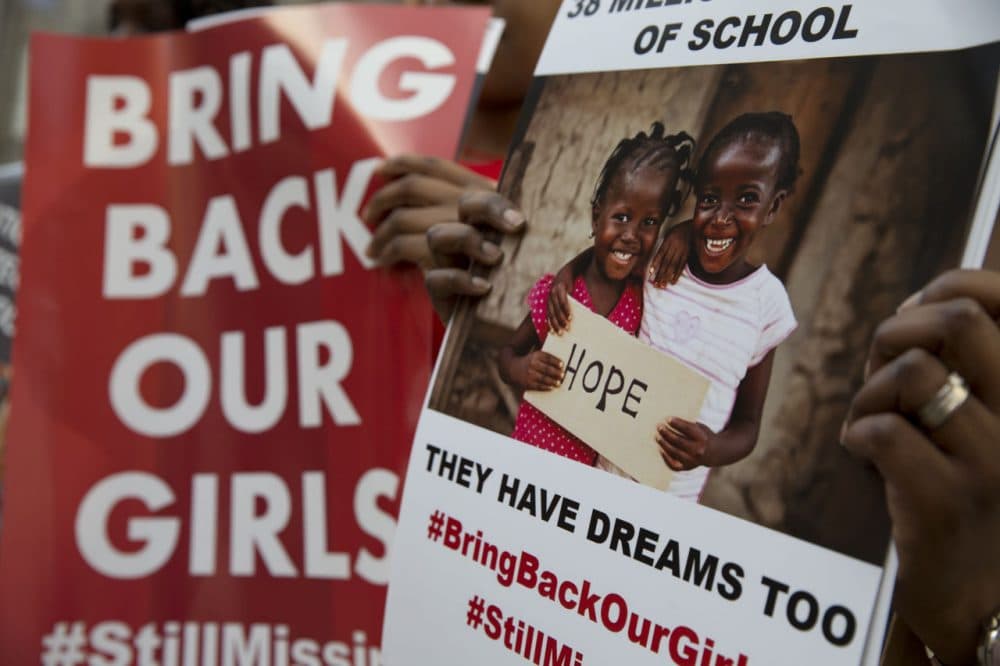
557,307
942,482
524,366
686,445
671,256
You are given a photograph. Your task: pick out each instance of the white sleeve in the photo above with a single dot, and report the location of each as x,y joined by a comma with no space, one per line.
776,316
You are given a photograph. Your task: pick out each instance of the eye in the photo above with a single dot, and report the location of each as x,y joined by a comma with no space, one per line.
749,198
651,222
707,199
621,217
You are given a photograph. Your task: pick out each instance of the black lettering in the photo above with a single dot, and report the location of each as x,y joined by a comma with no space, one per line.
758,30
721,42
774,588
621,5
616,374
508,489
694,568
629,395
812,610
732,588
588,373
842,31
809,31
623,533
599,527
644,544
433,450
527,499
653,3
570,368
645,40
670,558
703,34
567,516
850,625
794,19
669,34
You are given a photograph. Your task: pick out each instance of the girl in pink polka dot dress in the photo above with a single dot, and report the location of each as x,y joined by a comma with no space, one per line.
635,191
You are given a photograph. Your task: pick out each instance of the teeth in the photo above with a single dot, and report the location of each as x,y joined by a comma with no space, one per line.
624,256
718,245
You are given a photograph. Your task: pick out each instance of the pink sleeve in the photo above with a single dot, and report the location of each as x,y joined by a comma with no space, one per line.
537,302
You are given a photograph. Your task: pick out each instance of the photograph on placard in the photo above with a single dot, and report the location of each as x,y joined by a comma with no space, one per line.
805,200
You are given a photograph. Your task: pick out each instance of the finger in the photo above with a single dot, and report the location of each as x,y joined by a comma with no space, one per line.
680,443
552,374
435,167
677,262
403,221
686,428
907,383
680,458
446,284
412,249
454,243
912,467
490,209
413,190
560,308
654,263
959,331
979,285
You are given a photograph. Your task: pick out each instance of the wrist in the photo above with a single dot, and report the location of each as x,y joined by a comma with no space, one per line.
982,650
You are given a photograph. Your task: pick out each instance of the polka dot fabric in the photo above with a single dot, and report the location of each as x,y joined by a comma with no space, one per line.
532,426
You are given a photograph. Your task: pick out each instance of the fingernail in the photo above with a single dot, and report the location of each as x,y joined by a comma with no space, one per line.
490,251
514,218
868,369
843,432
911,300
481,284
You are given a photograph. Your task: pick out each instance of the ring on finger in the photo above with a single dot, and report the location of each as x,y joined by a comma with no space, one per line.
952,395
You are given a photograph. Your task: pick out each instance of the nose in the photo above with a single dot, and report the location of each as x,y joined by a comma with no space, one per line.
724,216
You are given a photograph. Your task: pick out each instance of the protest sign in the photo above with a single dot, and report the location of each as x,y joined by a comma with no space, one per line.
827,188
216,388
629,388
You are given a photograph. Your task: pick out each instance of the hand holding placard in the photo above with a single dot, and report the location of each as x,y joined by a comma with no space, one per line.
615,391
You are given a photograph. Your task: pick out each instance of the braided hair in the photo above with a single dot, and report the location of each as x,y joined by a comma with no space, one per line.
769,127
654,150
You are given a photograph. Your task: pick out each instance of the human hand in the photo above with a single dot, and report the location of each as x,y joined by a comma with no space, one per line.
421,191
537,371
942,483
454,245
557,310
671,256
683,444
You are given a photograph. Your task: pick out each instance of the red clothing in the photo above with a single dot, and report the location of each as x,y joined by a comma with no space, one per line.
532,426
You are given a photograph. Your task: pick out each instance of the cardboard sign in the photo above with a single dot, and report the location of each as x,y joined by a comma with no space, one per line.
777,554
216,388
616,391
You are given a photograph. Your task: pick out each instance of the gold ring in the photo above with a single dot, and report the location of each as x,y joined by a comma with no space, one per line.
943,404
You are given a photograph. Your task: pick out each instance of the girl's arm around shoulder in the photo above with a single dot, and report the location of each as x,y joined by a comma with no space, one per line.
557,308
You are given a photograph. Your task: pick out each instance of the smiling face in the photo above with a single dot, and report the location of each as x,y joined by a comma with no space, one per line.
627,222
737,196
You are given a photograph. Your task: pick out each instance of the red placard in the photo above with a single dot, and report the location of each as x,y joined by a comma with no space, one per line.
216,392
